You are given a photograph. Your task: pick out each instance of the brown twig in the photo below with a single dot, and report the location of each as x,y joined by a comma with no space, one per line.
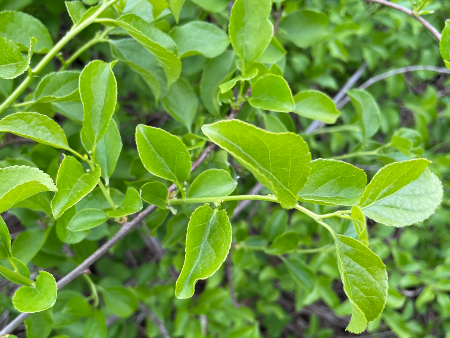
409,12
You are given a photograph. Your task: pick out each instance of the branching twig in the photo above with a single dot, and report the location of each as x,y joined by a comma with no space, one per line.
409,12
339,96
393,72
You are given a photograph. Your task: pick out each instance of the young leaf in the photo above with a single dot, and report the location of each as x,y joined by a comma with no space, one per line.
317,106
155,193
37,127
250,30
140,60
150,37
333,182
87,219
175,7
284,243
15,276
216,71
12,63
73,184
367,110
58,87
95,326
19,183
445,44
163,154
120,300
271,92
37,298
107,150
131,204
20,27
228,85
98,91
76,10
300,273
181,103
304,28
359,221
64,234
212,183
275,225
279,161
212,6
402,193
5,240
197,37
208,241
358,263
406,139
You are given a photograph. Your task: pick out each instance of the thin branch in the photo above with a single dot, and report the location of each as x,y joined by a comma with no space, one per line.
393,72
159,323
277,20
409,12
339,96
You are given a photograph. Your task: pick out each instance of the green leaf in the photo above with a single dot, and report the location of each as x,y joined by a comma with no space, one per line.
58,87
212,6
5,240
19,183
151,38
98,91
197,37
216,71
142,61
181,103
444,45
132,203
359,221
163,154
333,182
73,184
20,27
64,234
300,273
358,263
155,193
276,224
284,243
107,150
250,30
281,162
39,325
175,7
37,298
402,193
208,241
273,124
212,183
95,326
12,64
273,53
28,244
76,10
87,219
228,85
120,300
406,139
271,92
12,275
78,306
317,106
304,28
37,127
367,110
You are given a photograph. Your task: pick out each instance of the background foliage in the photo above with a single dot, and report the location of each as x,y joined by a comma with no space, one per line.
319,45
